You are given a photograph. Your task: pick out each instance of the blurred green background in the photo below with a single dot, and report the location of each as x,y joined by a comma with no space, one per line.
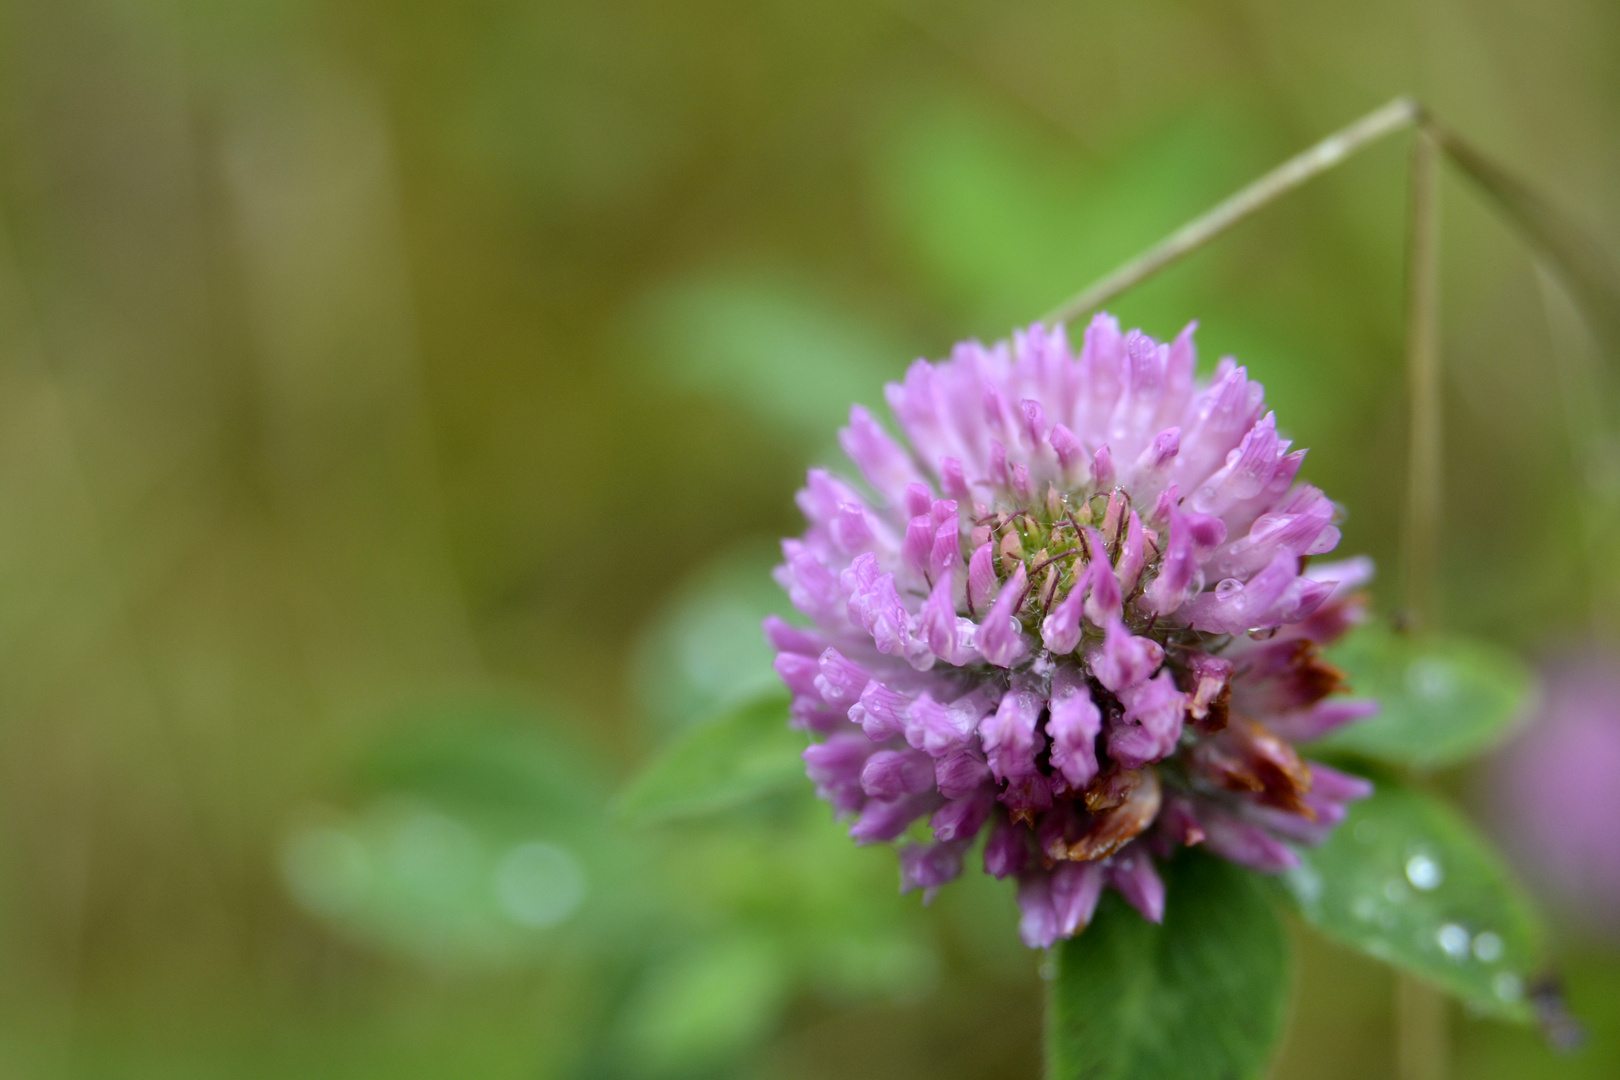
399,402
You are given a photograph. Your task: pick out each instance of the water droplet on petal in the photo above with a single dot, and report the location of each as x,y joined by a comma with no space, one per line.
1228,588
1488,947
1454,941
1423,872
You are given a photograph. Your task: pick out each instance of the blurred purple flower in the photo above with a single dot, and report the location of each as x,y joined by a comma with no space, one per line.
1554,792
1070,615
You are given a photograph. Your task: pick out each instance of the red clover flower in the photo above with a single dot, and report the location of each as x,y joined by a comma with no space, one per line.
1077,613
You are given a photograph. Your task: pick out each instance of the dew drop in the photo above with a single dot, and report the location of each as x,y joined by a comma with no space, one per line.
539,884
1430,680
1228,588
1488,947
1454,941
1508,986
1306,883
1424,873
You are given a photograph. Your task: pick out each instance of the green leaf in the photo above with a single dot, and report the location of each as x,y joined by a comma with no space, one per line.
1007,220
769,344
1201,996
1442,699
708,1004
1408,880
741,754
703,649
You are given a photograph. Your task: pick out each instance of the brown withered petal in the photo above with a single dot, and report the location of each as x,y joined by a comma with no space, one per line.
1303,678
1112,788
1218,714
1248,757
1117,827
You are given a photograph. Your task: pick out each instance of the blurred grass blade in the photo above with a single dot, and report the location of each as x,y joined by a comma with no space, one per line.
1588,270
741,754
1406,879
1441,699
1203,995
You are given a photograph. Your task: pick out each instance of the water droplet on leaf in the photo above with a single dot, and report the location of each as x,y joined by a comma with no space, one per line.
539,884
1430,680
1454,941
1488,947
1423,872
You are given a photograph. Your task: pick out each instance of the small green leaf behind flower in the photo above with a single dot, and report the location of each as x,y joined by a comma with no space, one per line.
1406,879
1203,995
704,649
1441,699
745,752
767,343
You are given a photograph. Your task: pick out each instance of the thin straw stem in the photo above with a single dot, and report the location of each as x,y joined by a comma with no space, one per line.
1420,1013
1421,1049
1424,493
1399,114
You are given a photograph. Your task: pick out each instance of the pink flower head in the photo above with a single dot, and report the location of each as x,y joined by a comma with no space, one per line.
1075,612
